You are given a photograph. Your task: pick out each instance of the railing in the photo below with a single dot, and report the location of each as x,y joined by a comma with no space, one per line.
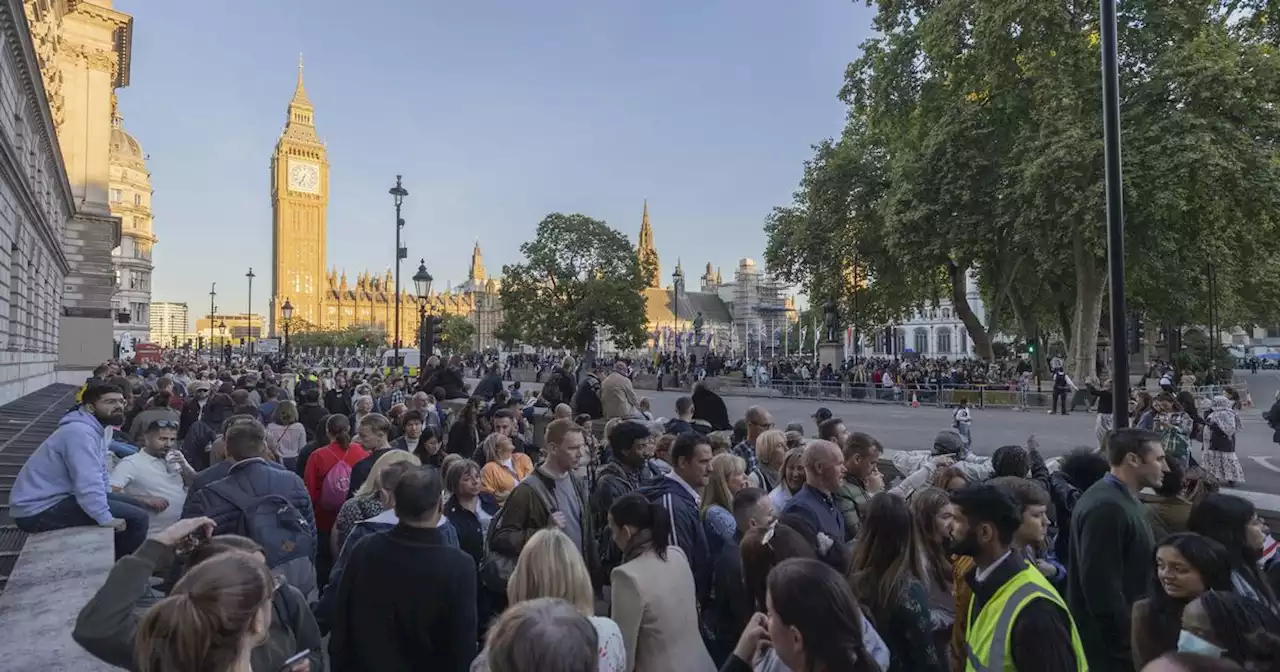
943,396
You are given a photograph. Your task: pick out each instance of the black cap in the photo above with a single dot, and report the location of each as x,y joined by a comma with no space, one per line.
822,414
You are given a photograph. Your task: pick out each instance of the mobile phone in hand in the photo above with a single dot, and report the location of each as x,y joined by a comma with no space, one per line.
298,662
192,541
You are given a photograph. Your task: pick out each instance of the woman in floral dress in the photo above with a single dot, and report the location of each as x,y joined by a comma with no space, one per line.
1220,458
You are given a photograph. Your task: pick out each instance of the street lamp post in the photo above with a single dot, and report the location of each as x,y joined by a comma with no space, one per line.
1115,206
398,192
422,284
213,294
287,312
677,286
248,316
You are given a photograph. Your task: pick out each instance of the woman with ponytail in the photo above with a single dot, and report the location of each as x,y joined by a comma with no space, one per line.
654,598
212,621
328,480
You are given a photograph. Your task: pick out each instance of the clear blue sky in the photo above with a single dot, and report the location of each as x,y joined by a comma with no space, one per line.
496,112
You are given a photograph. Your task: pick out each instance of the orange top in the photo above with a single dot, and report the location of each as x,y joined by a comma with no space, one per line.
497,479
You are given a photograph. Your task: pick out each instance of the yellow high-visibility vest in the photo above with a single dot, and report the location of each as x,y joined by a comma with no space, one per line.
987,644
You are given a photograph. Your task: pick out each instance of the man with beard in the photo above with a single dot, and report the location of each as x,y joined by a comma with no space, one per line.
65,483
1015,611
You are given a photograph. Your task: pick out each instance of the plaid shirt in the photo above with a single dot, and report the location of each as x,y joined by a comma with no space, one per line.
747,451
397,397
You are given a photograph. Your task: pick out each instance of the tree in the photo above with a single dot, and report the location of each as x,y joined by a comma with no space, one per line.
350,337
974,143
456,332
579,276
507,335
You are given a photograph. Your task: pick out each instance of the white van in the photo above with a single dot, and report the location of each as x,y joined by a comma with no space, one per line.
412,360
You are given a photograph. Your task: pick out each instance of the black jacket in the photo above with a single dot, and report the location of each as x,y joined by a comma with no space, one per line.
489,386
450,380
360,470
708,405
614,480
310,415
587,398
405,598
729,608
558,389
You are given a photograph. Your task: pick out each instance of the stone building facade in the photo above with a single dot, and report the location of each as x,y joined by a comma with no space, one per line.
130,200
36,203
82,51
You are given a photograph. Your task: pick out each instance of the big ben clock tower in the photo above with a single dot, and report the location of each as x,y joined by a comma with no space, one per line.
299,199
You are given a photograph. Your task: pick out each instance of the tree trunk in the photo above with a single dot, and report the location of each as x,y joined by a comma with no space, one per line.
960,304
1082,358
1030,326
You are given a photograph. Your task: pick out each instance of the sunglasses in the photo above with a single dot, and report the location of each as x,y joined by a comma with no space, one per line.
162,424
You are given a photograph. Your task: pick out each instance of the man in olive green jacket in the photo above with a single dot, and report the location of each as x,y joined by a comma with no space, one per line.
862,480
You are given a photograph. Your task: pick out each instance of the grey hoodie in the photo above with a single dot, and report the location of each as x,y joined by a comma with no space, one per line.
72,462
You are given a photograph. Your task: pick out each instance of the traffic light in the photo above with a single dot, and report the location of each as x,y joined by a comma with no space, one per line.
1031,347
432,334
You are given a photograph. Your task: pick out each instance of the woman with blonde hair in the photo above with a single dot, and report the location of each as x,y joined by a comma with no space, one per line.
504,468
771,450
288,434
793,478
212,620
374,494
551,566
728,476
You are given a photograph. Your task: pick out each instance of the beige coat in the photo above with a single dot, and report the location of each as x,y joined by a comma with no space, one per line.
618,397
654,605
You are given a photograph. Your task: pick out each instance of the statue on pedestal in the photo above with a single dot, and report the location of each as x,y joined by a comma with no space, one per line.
831,321
697,328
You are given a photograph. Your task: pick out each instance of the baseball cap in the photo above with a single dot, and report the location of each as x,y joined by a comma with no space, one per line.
822,414
948,442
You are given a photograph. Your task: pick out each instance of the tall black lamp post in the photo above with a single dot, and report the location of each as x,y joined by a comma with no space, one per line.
677,287
213,294
286,311
248,316
398,192
422,284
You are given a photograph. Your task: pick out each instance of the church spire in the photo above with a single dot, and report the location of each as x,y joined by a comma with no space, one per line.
300,92
647,252
477,275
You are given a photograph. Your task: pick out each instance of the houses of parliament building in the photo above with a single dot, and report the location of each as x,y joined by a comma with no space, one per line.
325,298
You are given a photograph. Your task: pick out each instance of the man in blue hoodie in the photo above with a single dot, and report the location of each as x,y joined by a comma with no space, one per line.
679,492
66,484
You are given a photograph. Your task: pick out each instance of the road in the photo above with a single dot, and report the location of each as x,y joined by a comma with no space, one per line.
905,428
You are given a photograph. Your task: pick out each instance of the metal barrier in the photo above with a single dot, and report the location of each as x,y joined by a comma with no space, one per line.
942,396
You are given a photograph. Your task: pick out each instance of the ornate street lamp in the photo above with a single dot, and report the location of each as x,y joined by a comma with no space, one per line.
287,311
422,283
677,287
248,316
398,193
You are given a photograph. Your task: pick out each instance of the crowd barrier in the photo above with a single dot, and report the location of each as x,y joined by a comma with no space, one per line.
943,396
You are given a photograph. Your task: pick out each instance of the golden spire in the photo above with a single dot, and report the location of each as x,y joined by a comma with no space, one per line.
300,92
477,275
647,253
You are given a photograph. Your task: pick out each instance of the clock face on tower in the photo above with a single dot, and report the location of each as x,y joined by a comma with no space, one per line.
304,177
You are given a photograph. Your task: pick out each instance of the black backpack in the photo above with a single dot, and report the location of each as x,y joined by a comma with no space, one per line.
287,539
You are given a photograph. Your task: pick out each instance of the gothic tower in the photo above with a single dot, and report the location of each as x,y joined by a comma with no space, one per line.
299,199
476,276
649,265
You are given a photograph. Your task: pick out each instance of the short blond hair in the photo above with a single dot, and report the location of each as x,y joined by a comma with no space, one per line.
373,482
551,566
771,447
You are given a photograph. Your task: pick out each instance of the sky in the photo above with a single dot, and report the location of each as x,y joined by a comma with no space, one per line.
496,112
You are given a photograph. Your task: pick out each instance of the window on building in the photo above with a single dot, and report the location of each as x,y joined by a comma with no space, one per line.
137,199
922,340
944,341
946,313
116,196
1273,332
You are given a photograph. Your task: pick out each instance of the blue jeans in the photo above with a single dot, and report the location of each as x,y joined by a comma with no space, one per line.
68,513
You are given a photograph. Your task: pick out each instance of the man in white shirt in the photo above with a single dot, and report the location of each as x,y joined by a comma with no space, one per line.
156,476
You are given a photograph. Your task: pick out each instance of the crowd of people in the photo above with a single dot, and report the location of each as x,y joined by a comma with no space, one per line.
308,522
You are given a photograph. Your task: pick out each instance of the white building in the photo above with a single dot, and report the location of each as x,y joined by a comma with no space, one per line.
130,200
934,331
169,323
37,203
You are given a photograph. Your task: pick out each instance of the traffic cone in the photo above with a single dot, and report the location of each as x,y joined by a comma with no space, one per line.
915,403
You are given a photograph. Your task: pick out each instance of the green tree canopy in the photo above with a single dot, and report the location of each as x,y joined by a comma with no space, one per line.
579,276
456,332
974,144
350,337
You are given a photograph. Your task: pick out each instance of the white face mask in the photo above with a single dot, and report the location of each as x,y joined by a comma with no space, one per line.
1189,642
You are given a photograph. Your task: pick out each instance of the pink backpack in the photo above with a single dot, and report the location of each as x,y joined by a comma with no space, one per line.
333,491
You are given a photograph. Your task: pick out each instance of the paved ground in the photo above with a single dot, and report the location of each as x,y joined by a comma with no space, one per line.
905,428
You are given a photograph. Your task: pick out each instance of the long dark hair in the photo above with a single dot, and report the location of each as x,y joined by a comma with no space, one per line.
338,428
1207,557
1245,627
764,548
1225,519
811,597
882,565
926,548
635,510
